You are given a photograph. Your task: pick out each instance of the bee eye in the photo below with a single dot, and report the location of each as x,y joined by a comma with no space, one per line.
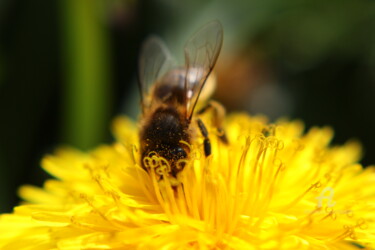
179,153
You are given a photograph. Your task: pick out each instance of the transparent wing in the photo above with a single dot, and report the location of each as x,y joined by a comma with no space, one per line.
154,61
201,53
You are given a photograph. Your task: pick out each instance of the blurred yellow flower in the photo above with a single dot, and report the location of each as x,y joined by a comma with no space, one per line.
272,187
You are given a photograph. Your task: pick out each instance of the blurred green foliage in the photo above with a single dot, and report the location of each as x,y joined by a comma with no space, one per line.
87,88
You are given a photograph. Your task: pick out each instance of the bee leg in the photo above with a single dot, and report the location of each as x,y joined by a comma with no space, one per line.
218,118
206,142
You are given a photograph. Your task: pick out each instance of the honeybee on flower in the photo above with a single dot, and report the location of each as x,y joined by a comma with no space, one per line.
169,96
256,186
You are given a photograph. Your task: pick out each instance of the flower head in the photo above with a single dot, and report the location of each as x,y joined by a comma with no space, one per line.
271,187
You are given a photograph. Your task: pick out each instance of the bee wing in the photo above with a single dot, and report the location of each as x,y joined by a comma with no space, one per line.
154,61
201,53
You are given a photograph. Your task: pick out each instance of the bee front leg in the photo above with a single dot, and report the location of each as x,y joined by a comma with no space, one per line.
218,112
206,142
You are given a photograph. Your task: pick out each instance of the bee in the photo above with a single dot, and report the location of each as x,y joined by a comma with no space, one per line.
169,96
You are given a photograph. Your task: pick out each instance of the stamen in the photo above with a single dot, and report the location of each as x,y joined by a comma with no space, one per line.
181,163
95,209
186,144
299,198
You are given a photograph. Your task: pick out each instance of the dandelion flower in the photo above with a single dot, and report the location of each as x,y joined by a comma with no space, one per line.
271,187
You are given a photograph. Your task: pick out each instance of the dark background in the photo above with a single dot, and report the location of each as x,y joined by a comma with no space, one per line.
68,67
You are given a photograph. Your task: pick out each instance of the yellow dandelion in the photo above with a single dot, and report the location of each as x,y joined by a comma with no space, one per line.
271,187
